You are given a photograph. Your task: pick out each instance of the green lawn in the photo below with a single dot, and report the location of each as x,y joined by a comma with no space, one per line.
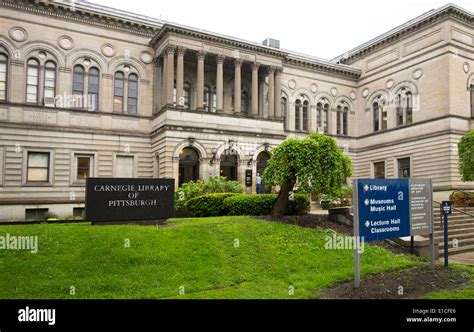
197,254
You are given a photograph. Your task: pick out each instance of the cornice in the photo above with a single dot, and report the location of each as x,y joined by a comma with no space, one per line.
171,29
66,12
444,13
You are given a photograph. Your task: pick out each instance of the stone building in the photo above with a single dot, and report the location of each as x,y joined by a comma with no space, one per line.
90,91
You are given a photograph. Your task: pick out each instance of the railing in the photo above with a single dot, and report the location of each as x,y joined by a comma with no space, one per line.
441,219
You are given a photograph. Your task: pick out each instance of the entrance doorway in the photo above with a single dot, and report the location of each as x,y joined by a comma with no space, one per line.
188,165
229,167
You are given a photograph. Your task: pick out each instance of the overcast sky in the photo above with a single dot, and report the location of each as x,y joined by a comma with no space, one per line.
323,29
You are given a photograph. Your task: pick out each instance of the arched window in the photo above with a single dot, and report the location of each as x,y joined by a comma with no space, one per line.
409,107
49,79
187,95
244,103
342,117
78,86
404,105
93,89
376,111
325,119
284,109
297,115
3,76
322,113
32,81
118,91
132,94
305,115
207,98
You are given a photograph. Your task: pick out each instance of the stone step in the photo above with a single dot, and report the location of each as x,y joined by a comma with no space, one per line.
459,237
456,232
458,250
453,226
461,242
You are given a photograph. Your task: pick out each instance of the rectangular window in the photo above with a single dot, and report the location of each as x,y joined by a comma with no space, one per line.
38,167
344,123
132,97
78,212
305,119
404,169
125,167
379,170
376,119
35,214
399,115
83,167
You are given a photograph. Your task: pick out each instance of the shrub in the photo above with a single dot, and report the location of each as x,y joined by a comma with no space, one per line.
210,205
466,156
458,199
50,216
259,205
212,185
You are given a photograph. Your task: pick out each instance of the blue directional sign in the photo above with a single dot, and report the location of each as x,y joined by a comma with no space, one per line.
384,208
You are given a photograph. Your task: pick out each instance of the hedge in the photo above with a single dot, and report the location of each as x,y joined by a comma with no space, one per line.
259,205
211,205
458,199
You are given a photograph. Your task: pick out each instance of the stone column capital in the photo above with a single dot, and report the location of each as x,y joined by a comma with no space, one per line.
271,70
157,62
181,50
278,70
220,58
170,49
201,55
255,66
238,63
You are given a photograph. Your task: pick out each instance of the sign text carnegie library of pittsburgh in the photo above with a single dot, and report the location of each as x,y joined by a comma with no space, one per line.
133,194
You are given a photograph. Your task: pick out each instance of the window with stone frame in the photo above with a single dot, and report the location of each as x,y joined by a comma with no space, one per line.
3,76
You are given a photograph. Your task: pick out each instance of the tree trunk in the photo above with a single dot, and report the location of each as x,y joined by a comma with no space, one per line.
282,199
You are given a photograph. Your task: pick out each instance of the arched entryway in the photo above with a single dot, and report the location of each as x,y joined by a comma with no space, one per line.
188,165
229,166
262,159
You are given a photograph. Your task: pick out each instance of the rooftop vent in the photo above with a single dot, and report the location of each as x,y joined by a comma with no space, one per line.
271,42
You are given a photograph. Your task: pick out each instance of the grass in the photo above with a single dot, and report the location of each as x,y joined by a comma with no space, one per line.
197,254
463,293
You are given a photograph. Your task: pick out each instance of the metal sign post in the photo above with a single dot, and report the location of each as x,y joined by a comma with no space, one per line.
355,204
447,210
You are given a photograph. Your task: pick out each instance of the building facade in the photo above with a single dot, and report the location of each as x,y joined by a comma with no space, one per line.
89,91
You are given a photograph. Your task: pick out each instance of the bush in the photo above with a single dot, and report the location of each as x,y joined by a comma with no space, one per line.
458,199
50,216
211,205
213,185
259,205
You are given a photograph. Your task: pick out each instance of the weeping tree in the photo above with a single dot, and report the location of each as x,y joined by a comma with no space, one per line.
466,156
314,165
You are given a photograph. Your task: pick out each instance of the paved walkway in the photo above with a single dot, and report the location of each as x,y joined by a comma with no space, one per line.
465,258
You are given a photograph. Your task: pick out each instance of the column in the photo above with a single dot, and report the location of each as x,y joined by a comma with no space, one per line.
164,80
237,86
220,83
170,74
180,77
158,82
277,105
200,80
271,92
254,111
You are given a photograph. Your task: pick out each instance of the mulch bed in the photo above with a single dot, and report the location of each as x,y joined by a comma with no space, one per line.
385,285
315,221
